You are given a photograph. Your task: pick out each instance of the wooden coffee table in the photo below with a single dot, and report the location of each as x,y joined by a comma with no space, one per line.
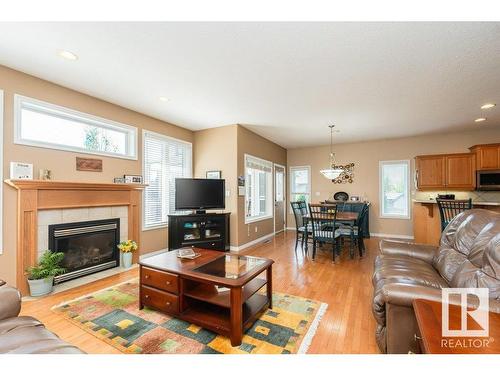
217,291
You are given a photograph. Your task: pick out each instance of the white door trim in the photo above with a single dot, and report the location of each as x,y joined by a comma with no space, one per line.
284,196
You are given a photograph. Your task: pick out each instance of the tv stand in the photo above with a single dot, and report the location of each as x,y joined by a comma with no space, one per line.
203,230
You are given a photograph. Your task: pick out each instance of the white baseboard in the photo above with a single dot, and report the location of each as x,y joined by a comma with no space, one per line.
251,243
388,235
153,253
291,228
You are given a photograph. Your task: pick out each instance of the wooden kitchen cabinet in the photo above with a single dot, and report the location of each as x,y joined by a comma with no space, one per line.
446,172
431,172
487,156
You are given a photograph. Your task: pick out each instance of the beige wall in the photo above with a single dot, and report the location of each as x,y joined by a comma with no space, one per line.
62,163
366,156
255,145
216,150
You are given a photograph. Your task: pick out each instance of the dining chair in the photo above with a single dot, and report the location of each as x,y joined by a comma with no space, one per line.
301,226
355,232
323,217
449,208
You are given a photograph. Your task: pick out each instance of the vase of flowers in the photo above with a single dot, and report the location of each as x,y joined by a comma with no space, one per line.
41,276
127,248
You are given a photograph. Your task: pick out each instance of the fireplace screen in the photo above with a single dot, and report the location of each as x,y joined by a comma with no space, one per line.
88,246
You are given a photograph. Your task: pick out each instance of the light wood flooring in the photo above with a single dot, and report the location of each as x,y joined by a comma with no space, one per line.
347,326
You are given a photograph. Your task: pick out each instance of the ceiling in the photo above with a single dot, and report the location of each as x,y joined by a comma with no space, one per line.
285,81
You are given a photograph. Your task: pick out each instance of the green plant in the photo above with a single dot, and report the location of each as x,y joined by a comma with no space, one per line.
48,265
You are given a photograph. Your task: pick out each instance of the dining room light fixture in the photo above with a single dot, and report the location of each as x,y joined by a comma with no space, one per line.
480,119
488,105
339,174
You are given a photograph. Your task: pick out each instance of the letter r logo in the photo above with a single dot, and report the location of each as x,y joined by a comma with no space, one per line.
478,315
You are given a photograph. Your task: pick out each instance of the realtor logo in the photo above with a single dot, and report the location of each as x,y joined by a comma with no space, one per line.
474,321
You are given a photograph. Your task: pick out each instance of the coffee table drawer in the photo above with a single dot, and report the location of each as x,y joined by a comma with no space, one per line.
161,280
163,301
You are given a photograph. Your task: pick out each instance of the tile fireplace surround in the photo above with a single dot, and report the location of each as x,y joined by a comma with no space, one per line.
41,202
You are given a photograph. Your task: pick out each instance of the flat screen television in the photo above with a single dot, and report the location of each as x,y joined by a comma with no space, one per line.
199,194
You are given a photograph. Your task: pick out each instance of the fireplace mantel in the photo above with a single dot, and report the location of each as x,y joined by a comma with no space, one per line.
35,195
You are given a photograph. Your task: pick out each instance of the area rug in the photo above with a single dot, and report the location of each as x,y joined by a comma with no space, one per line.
112,315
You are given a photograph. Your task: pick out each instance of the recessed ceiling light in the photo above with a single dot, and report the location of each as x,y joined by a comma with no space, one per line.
164,99
480,119
488,105
68,55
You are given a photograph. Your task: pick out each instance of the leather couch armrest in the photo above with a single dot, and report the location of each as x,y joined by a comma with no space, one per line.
404,294
418,251
10,302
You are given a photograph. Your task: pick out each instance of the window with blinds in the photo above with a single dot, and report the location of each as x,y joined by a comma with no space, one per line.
259,189
165,159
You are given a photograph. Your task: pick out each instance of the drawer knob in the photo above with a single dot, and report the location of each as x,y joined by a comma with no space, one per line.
167,282
168,304
213,244
146,276
146,296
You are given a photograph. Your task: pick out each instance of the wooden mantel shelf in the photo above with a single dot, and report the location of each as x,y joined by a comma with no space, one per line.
65,185
36,195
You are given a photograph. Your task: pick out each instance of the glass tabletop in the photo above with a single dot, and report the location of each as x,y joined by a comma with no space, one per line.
230,266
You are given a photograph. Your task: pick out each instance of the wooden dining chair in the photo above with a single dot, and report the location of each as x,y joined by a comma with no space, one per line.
301,226
323,217
449,208
355,232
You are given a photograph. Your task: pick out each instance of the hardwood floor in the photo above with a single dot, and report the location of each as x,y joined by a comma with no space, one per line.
347,326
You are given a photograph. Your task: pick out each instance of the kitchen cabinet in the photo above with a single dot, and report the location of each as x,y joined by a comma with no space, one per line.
446,172
487,156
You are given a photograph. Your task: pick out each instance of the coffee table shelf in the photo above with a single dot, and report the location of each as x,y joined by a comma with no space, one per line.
217,318
209,293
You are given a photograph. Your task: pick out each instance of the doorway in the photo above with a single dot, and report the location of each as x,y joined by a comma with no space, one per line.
279,198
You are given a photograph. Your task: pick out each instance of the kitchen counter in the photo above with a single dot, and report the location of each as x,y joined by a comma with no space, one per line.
474,203
427,220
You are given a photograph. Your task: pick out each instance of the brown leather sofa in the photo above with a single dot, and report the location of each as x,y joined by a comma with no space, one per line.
24,334
468,256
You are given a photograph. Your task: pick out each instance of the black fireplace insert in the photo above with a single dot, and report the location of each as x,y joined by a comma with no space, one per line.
88,246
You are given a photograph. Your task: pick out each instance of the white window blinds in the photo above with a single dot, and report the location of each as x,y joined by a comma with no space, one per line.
165,159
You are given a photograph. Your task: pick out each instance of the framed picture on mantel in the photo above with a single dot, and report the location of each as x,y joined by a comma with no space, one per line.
213,174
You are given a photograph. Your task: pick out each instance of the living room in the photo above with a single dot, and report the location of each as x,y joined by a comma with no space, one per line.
334,189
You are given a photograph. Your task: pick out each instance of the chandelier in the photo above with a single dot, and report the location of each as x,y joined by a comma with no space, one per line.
339,174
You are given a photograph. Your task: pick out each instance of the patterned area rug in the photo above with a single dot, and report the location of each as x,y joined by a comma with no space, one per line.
112,315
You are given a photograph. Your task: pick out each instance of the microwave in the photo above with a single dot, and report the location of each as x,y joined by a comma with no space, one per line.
488,180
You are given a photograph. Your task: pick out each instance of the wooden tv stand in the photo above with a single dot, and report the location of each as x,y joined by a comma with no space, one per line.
191,290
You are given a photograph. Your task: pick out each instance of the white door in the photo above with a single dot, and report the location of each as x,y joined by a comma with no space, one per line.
279,198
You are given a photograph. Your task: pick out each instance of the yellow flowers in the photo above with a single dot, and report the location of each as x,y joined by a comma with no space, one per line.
128,246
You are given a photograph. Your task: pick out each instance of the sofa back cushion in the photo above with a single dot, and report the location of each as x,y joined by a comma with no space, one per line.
469,253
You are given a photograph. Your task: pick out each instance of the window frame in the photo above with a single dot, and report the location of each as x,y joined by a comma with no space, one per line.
290,174
1,170
131,132
269,192
166,138
383,215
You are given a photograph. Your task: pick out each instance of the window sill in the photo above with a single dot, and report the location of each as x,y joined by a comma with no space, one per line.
400,217
163,226
259,218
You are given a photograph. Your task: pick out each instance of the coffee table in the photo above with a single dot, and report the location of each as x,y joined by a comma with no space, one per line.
216,291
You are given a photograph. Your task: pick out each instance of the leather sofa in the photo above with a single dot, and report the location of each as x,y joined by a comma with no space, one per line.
468,256
24,334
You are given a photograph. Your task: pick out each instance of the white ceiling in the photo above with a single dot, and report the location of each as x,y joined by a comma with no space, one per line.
285,81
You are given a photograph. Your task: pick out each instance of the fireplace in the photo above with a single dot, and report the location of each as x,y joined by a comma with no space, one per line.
88,246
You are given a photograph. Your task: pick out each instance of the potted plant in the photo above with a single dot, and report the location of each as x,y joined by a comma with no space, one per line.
127,248
41,276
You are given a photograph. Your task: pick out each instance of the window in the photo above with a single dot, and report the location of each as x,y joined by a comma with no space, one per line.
1,171
165,159
300,184
46,125
258,192
395,189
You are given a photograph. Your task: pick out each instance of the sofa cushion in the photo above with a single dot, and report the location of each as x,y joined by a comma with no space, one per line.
23,335
406,270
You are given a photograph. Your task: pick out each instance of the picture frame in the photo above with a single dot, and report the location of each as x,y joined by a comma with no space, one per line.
132,179
214,175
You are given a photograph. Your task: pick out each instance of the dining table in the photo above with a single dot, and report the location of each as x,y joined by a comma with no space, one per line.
348,218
